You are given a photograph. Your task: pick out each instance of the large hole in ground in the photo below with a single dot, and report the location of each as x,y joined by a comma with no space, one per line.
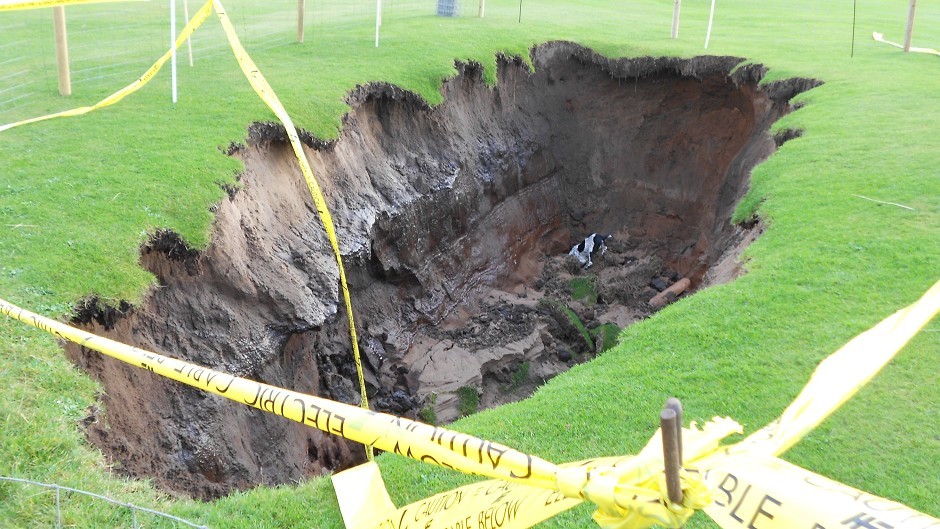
455,223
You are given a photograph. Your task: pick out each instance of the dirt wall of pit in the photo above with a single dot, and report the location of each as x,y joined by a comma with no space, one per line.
434,209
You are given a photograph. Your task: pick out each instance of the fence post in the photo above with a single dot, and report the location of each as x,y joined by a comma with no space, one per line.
189,41
676,405
62,50
675,18
910,27
378,20
173,94
671,432
300,20
482,8
711,17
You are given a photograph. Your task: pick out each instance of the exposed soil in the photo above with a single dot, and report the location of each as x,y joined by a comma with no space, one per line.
455,223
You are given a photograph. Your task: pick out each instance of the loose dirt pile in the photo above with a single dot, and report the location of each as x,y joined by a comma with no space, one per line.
455,223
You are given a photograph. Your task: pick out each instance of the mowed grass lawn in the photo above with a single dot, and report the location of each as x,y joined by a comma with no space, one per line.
79,195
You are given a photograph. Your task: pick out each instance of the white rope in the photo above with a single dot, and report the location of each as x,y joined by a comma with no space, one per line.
131,506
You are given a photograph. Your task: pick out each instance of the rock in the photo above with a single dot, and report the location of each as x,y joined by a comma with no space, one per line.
658,284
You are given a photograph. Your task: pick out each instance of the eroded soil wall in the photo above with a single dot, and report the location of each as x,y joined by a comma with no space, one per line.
451,221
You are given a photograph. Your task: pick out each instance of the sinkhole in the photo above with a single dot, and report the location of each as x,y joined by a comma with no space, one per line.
455,223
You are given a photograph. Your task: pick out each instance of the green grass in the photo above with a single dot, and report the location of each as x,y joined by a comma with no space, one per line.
520,376
468,401
611,334
582,288
572,318
77,197
428,414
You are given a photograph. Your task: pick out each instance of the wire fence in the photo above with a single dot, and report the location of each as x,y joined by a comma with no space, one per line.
141,517
113,43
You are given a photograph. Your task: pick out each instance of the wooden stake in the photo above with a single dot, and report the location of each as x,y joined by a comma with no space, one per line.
300,20
62,50
910,27
675,18
675,405
669,429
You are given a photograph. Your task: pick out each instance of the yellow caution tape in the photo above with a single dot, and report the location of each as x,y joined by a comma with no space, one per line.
629,492
264,90
386,432
879,37
750,487
194,23
629,488
266,93
36,4
761,491
746,489
841,375
362,495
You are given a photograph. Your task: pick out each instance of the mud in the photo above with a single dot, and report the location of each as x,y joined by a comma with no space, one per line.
454,223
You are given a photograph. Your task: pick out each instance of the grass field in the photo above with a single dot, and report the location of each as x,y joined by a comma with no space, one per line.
79,195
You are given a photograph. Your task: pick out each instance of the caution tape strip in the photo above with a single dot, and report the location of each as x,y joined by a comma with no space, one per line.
841,375
386,432
629,487
747,485
629,491
879,37
762,491
38,4
267,94
198,18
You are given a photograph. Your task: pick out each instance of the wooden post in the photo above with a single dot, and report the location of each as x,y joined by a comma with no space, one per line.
675,405
300,20
910,27
675,18
62,50
670,433
482,8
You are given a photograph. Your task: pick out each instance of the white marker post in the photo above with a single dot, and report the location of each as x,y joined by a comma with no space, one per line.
677,6
711,17
173,48
378,20
189,42
482,7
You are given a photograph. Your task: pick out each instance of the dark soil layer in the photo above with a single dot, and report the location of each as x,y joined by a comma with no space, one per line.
455,223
